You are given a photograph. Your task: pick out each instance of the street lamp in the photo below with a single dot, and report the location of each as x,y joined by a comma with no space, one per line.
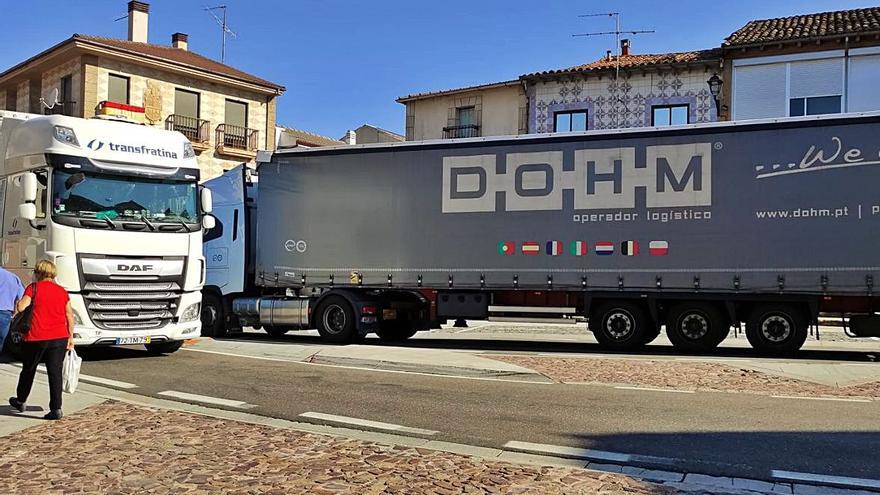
715,84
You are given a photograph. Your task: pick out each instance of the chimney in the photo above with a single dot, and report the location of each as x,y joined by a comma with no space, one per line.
350,137
138,15
608,55
180,40
624,48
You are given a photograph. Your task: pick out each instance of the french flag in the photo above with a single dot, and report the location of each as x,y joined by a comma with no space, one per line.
554,248
604,248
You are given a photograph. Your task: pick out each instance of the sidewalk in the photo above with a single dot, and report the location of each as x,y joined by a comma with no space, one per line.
108,446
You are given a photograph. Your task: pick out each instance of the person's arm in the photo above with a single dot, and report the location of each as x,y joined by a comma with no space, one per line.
70,322
22,303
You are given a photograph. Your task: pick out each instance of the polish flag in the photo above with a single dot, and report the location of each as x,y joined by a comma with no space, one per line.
658,248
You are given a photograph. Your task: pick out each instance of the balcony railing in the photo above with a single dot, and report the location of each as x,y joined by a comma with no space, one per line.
195,129
461,131
60,108
233,137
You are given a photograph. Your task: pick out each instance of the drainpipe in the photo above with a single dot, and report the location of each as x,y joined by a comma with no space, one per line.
845,102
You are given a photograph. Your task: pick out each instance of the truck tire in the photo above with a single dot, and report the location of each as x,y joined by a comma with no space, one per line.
397,331
696,327
776,329
335,319
164,347
276,331
213,315
620,326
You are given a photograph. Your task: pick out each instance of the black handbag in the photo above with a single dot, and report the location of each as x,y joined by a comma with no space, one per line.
21,322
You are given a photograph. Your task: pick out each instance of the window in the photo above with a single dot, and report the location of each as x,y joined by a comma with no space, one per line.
464,116
572,121
186,103
117,89
236,113
66,95
813,105
662,115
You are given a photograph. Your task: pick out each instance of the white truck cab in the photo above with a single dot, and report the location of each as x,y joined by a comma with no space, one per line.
118,208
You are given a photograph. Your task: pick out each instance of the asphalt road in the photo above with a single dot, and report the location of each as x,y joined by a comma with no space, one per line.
714,433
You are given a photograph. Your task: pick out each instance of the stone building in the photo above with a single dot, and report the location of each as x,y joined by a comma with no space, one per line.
227,114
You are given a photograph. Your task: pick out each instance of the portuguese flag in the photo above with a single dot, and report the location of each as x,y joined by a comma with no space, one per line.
506,248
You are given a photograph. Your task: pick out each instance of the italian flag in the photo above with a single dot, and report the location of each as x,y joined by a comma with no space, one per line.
531,248
629,248
658,248
554,248
578,248
506,248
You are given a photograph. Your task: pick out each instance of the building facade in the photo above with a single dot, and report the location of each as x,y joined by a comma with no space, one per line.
786,67
227,114
804,65
368,134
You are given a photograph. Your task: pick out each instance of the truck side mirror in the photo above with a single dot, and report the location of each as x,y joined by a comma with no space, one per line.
27,211
29,187
207,200
209,222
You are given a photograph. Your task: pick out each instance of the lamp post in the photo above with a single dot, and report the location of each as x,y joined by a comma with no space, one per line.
715,84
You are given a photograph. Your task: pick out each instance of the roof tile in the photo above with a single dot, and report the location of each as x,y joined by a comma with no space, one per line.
636,61
822,24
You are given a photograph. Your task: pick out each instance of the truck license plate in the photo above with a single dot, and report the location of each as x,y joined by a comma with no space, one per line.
132,340
389,314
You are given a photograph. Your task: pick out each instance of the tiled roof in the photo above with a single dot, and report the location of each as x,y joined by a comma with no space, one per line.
307,138
431,94
178,56
807,26
637,61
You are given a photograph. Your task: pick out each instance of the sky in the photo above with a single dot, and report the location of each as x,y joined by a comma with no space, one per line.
344,63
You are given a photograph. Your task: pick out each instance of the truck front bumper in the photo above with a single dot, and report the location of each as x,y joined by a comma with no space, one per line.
88,334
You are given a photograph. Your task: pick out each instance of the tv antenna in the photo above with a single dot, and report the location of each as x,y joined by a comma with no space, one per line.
617,32
224,28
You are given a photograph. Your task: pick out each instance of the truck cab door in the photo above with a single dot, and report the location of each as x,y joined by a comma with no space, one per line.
225,244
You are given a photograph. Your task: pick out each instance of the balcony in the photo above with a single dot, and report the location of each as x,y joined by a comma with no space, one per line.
236,141
61,109
461,131
195,129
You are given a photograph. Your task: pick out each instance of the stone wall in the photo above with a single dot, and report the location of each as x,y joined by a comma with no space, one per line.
212,106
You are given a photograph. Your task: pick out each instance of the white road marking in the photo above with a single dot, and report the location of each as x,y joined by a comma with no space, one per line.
363,368
571,452
206,399
106,381
837,399
821,478
378,425
650,389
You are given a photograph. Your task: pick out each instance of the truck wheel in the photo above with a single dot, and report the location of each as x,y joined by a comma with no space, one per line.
335,320
395,332
776,329
213,315
696,327
276,331
620,326
164,347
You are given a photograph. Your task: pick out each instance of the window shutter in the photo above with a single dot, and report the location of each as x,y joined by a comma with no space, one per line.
759,92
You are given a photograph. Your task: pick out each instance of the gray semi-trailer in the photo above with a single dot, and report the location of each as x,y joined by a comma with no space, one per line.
696,227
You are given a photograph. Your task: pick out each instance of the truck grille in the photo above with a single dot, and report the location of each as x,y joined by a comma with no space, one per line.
131,306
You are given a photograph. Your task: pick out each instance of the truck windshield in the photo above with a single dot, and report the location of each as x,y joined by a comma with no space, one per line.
88,195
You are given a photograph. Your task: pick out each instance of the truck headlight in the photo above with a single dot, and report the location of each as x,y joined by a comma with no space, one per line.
191,313
66,135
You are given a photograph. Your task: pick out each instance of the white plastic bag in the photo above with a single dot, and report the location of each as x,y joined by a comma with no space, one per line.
70,371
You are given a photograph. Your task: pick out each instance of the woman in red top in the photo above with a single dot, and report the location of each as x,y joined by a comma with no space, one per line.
49,337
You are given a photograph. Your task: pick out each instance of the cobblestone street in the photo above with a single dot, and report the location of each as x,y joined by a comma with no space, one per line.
681,375
124,449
